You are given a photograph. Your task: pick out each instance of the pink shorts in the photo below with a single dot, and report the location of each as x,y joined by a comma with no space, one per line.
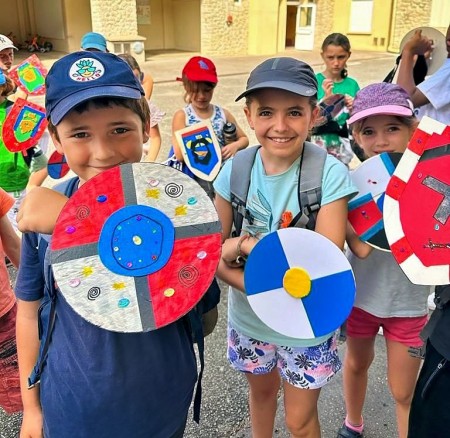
361,324
10,399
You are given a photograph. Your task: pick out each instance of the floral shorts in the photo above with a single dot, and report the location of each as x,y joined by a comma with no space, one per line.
302,367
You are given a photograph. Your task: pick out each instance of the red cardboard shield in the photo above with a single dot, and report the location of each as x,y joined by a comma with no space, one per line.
24,125
417,206
30,75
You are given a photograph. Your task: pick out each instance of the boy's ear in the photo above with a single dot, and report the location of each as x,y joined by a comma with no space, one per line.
314,115
57,143
146,132
249,117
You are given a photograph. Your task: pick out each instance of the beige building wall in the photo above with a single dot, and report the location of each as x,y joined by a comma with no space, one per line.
78,22
187,24
224,27
408,15
267,26
325,23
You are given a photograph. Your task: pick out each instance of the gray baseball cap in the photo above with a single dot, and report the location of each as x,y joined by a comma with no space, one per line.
284,73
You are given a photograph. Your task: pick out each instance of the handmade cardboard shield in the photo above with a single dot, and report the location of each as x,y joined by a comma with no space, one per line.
305,288
57,166
200,149
30,75
330,108
24,125
417,206
365,210
136,247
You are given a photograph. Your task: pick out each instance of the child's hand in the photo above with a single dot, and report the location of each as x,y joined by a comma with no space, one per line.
32,424
40,210
348,100
236,249
327,86
230,150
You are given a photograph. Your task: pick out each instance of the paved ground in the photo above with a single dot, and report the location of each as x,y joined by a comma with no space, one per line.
224,407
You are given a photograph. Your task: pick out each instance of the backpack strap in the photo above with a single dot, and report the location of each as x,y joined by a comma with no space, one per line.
47,310
312,163
241,169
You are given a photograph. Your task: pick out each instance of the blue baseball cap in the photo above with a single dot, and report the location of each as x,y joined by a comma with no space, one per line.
94,40
81,76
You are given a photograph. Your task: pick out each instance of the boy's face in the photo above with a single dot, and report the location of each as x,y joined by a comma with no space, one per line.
281,121
100,138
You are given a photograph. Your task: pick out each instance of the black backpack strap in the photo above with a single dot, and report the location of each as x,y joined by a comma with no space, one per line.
241,169
47,309
310,176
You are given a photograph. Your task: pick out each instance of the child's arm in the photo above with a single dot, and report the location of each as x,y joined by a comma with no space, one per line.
358,247
331,221
230,149
147,85
155,144
228,271
27,339
178,122
10,241
40,210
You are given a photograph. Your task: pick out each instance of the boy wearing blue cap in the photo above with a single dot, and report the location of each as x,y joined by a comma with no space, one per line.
281,107
94,382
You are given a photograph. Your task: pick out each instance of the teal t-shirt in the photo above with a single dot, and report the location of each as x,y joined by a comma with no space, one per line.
14,172
270,199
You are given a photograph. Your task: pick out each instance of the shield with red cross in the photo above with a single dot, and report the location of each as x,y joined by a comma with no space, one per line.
417,206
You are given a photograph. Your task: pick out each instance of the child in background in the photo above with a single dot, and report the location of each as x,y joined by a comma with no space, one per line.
156,115
96,382
17,171
199,79
382,121
334,79
281,98
10,399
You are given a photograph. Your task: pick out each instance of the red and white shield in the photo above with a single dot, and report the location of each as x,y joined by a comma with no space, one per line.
417,206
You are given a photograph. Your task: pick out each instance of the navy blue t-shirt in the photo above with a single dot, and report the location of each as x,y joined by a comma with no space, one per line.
99,383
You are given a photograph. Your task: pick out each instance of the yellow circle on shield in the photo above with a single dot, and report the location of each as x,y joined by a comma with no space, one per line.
297,282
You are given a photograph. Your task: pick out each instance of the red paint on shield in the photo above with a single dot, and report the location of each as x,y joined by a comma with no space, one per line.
87,210
364,217
418,141
401,250
395,187
188,273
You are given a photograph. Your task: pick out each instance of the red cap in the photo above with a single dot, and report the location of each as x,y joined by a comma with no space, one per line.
199,69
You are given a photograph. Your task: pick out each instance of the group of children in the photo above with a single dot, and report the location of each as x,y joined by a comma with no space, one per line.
101,383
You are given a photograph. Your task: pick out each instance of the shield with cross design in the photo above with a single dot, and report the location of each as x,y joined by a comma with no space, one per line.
417,206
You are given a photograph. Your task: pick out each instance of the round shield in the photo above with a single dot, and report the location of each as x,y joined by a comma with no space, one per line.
57,166
417,206
365,211
299,283
439,53
136,247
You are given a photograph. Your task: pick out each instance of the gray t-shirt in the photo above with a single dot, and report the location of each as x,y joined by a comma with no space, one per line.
382,288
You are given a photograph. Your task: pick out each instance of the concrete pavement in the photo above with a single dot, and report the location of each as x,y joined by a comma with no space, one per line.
224,407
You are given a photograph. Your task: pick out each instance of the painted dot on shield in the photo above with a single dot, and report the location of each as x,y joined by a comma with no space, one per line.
116,248
123,302
169,292
138,218
297,282
102,198
129,264
201,255
74,282
192,201
137,240
70,229
436,227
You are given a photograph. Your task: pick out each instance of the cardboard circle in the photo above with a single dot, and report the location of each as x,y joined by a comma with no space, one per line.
439,53
365,211
416,207
332,288
57,166
108,292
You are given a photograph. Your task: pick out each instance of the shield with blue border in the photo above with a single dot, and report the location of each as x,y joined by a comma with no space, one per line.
417,206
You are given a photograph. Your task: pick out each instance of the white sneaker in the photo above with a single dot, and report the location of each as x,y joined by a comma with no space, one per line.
431,305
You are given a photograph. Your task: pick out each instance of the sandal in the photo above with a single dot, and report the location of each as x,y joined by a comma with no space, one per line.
346,432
